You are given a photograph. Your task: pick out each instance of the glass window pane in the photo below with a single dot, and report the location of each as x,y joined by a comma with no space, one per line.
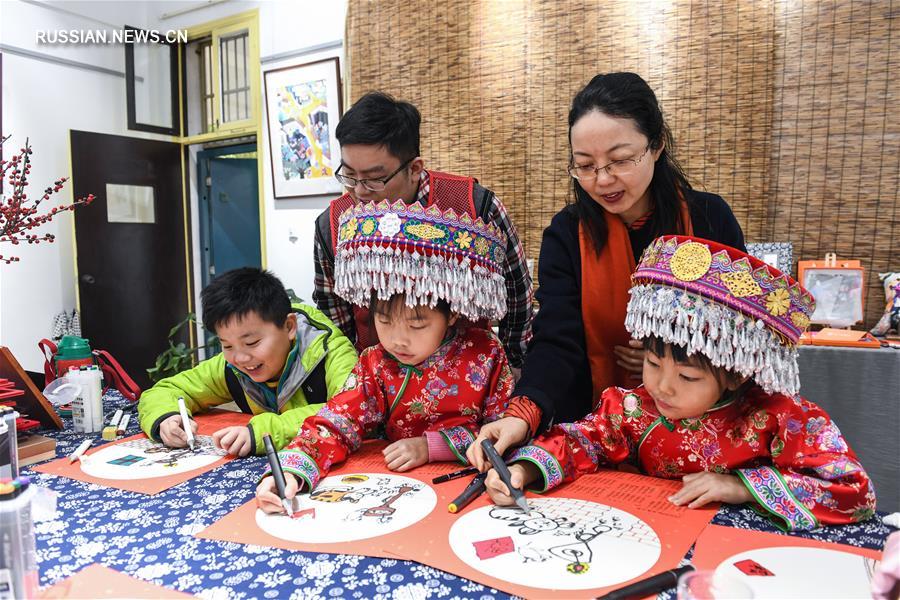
232,52
207,63
153,84
242,62
242,100
130,204
234,77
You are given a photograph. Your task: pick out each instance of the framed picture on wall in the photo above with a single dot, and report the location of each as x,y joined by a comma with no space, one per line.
775,254
303,106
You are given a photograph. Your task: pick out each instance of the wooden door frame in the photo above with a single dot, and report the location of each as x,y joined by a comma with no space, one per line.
186,224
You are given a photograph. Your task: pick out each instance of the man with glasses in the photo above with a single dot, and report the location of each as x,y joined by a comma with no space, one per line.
379,138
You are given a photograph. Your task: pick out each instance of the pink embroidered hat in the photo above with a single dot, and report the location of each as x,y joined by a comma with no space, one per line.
731,307
424,253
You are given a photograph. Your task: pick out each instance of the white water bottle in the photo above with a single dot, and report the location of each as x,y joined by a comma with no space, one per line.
87,407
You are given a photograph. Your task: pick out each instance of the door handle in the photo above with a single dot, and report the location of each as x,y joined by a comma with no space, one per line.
87,278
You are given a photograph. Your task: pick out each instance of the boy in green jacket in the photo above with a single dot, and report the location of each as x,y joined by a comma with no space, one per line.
278,362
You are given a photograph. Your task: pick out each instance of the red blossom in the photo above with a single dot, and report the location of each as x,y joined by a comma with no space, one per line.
18,214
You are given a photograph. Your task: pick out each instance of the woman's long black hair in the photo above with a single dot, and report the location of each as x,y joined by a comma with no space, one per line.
628,95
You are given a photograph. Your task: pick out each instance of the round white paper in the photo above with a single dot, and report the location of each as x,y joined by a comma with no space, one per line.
566,544
804,573
353,507
137,459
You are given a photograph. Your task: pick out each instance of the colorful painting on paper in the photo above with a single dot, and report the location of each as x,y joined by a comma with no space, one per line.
303,103
305,144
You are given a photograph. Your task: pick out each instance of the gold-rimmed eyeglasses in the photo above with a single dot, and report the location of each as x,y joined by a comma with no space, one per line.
616,168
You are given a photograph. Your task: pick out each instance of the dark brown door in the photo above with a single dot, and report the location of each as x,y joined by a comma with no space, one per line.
132,273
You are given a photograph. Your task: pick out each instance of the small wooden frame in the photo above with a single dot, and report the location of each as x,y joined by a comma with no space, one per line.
32,403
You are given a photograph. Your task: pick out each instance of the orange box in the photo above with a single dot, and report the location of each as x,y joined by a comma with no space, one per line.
840,337
838,287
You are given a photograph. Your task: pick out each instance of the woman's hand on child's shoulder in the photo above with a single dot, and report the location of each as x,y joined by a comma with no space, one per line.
235,440
172,433
406,454
520,475
267,495
700,489
503,433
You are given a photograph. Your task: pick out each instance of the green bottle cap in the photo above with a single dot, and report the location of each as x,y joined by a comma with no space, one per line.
72,347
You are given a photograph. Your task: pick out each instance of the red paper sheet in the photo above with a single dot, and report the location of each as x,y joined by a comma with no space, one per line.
207,424
97,581
428,540
486,549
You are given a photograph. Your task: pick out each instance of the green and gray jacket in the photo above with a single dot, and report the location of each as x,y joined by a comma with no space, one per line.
315,370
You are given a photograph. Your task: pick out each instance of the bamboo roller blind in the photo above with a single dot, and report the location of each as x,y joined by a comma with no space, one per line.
785,108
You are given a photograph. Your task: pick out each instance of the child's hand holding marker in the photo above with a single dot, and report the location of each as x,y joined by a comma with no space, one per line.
275,494
267,497
172,432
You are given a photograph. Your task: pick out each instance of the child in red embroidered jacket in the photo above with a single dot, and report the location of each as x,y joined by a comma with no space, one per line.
430,382
719,407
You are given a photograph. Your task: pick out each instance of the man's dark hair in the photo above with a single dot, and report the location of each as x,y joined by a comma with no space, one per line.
378,119
236,293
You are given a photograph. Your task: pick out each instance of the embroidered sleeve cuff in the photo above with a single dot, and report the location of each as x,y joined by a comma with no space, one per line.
438,450
772,493
300,464
547,464
456,440
343,426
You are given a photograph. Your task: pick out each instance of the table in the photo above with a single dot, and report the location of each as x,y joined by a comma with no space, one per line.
860,389
150,537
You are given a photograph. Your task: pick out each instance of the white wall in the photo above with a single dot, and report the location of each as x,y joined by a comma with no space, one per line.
285,219
44,101
285,27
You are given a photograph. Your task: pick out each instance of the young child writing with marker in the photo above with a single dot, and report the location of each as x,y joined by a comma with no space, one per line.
719,407
279,363
429,383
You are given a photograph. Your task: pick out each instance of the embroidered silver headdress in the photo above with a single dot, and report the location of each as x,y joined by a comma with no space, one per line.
426,254
731,307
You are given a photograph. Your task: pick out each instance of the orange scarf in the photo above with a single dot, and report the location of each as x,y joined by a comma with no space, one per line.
605,281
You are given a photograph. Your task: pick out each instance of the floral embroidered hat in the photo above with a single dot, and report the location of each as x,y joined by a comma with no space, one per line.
731,307
424,253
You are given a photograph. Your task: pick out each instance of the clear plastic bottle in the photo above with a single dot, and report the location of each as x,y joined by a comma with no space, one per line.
18,559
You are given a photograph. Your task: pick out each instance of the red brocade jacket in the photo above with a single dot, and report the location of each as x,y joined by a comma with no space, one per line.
787,452
465,383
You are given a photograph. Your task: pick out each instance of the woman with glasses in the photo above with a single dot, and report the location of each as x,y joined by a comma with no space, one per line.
629,190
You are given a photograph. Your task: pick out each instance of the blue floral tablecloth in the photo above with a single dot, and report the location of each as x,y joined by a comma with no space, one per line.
151,537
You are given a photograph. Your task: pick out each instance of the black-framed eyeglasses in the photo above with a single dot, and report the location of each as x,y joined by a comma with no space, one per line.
373,185
616,168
